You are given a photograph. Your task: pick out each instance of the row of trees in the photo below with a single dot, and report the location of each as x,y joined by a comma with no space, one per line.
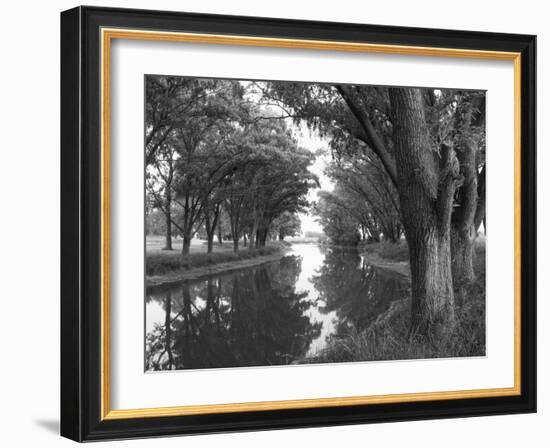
417,154
215,165
363,204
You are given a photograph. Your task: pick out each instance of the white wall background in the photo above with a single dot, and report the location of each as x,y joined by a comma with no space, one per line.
29,117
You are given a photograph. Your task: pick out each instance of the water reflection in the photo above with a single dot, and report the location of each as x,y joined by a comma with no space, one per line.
273,314
355,290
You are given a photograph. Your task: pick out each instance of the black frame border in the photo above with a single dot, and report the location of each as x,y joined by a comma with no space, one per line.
81,223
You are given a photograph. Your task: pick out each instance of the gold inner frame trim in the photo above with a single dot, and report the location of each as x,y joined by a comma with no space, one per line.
107,35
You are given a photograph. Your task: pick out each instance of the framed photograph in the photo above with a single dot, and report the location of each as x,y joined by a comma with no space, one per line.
275,224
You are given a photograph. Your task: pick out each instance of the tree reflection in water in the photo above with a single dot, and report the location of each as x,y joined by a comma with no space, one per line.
355,290
252,317
259,316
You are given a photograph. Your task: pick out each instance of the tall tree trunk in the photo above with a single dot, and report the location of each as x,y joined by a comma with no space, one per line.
186,244
209,228
210,246
431,279
480,212
168,236
262,237
168,217
462,250
426,186
463,221
210,223
235,244
187,228
220,238
253,235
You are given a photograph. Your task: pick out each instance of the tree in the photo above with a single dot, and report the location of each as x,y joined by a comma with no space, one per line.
159,185
203,142
427,181
211,217
171,101
367,195
271,177
340,227
286,224
469,207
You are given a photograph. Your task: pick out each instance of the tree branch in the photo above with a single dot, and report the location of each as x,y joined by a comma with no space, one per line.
373,138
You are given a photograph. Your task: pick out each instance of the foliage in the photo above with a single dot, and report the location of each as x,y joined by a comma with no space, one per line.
214,162
286,224
338,226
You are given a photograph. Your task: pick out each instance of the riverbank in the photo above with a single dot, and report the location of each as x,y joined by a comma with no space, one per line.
389,338
390,256
163,268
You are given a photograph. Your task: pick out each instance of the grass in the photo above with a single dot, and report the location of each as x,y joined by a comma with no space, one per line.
389,338
162,262
390,251
156,243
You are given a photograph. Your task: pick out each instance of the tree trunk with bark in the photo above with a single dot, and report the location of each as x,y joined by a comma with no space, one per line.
186,244
253,235
469,205
210,244
426,185
262,236
168,216
210,223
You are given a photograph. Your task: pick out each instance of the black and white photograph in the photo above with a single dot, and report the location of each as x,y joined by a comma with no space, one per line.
304,223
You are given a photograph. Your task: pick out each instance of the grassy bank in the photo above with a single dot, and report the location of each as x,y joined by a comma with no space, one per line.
164,262
388,251
389,338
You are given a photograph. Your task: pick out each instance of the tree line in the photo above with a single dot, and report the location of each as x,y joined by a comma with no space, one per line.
215,165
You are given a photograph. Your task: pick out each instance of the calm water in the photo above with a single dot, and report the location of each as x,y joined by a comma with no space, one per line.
276,313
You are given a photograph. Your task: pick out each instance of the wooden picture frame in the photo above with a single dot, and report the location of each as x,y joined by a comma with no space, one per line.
86,35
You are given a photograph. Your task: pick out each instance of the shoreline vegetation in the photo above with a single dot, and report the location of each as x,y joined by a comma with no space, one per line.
169,267
389,336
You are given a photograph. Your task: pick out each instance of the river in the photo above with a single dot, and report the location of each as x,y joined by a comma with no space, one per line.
277,313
